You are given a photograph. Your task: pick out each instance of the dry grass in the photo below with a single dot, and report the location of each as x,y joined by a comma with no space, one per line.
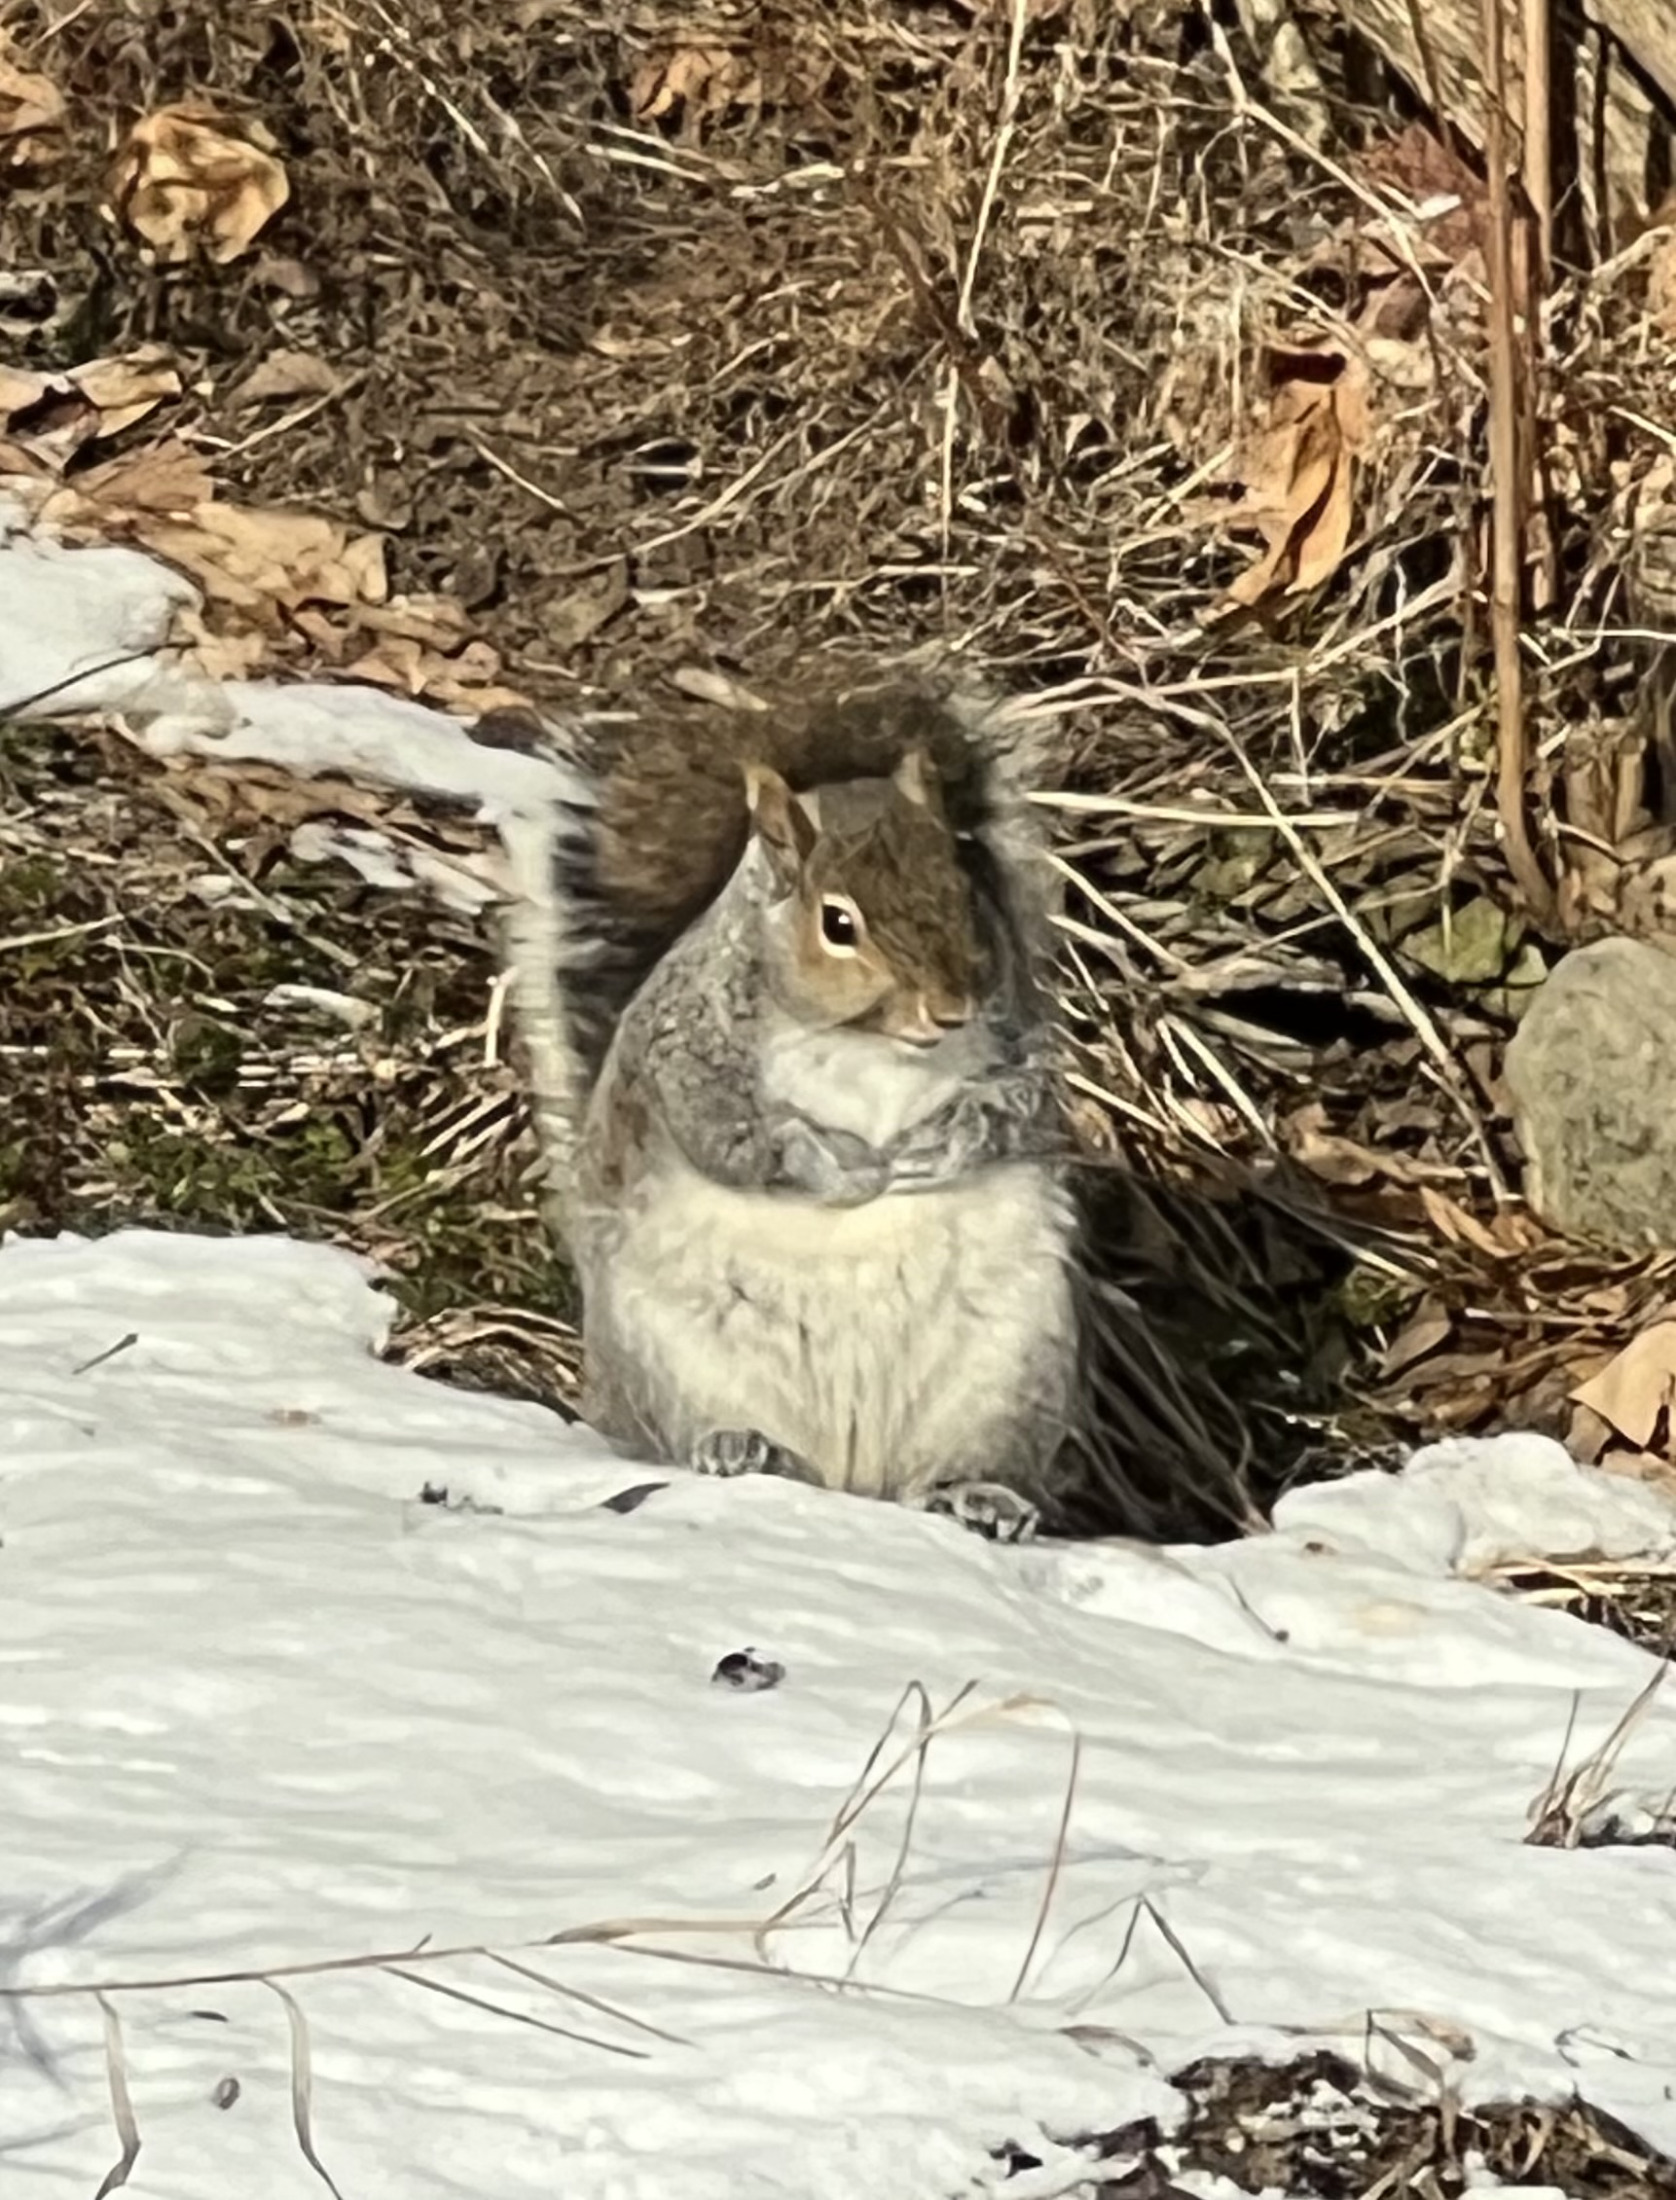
1320,2128
738,339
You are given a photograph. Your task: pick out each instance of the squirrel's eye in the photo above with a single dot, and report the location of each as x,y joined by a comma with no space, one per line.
840,925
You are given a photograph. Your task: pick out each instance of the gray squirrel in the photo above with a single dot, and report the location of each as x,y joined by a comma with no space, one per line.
786,1001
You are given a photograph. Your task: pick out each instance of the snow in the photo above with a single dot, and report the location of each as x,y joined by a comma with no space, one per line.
265,1708
265,1713
72,613
80,624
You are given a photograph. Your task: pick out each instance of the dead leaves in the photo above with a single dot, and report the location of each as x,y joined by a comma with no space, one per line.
48,417
31,114
1447,200
278,587
187,181
287,374
254,558
254,562
1296,471
1410,262
1338,1160
694,84
691,87
1632,1395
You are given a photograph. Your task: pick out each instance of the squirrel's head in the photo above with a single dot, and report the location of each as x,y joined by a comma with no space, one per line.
870,919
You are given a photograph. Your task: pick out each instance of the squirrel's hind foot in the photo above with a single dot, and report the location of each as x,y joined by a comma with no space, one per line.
733,1451
989,1509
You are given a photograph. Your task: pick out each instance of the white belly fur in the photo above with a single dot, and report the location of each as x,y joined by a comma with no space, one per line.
890,1345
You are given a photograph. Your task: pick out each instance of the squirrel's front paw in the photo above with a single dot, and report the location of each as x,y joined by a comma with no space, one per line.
835,1167
989,1509
731,1451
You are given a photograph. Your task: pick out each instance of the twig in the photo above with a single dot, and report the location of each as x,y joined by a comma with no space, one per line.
1538,161
1535,273
997,161
1419,1022
110,1352
1507,482
20,705
516,2016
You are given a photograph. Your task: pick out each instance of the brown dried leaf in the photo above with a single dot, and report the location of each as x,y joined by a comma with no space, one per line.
1340,1160
1459,1227
15,460
467,680
31,115
57,414
292,278
20,390
167,478
237,656
1450,199
1587,1435
127,387
1634,1392
251,792
436,621
1428,1327
288,374
186,182
295,557
702,81
1298,470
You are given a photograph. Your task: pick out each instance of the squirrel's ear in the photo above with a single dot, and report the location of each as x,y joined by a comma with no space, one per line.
779,821
916,777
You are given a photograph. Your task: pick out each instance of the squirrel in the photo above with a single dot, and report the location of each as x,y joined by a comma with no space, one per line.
787,997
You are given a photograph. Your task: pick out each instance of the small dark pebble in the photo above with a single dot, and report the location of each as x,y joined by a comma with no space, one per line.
509,728
226,2093
743,1669
631,1500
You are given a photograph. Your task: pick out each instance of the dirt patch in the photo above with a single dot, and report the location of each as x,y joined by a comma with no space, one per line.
1635,1600
1318,2129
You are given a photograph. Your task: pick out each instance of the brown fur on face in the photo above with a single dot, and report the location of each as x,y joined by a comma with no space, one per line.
878,853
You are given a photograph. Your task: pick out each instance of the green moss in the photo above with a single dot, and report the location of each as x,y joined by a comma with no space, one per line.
1368,1297
206,1055
151,1080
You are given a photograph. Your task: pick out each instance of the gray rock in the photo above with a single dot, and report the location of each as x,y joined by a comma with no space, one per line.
1592,1074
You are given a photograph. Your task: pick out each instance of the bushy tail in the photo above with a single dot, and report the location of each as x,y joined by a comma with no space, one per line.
544,945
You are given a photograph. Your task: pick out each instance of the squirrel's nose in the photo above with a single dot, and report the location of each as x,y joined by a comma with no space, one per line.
936,1014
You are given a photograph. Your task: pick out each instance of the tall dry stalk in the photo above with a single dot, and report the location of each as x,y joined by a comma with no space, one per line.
1507,475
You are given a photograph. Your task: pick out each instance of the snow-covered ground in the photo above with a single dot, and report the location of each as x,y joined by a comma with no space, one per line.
263,1709
1015,1834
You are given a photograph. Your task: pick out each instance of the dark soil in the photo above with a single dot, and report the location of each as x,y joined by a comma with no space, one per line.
1318,2129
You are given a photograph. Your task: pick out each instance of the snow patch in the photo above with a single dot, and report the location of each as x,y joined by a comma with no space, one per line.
264,1707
